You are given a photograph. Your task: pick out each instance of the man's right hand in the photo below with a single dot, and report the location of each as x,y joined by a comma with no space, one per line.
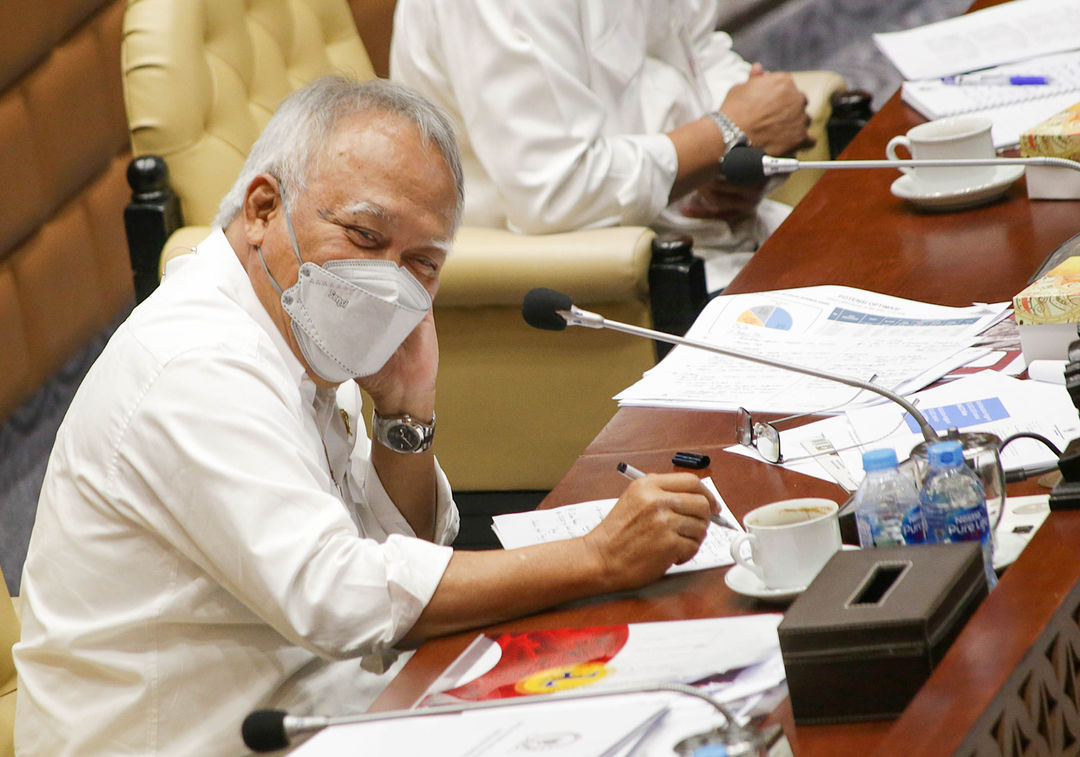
772,112
659,520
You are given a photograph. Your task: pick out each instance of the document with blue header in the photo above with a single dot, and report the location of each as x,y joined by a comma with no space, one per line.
903,344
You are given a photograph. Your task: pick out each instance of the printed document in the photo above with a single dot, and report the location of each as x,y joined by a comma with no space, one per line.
986,401
602,727
711,652
735,660
1005,33
902,344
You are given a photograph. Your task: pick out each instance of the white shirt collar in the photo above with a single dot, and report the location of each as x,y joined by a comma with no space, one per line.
235,282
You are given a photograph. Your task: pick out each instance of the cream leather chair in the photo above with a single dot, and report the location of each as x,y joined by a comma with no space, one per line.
9,634
516,405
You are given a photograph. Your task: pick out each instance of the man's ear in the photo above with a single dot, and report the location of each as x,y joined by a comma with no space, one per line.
261,202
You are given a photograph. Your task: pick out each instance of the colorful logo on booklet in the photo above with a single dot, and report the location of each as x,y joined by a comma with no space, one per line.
544,662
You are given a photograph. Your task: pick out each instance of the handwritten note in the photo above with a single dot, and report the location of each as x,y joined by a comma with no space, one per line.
539,526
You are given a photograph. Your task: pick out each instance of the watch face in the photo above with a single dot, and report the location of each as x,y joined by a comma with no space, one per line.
403,437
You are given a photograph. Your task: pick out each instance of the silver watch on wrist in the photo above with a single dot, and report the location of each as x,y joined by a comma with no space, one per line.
733,136
402,433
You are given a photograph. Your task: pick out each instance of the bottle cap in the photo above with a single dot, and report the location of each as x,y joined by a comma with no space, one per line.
879,459
949,454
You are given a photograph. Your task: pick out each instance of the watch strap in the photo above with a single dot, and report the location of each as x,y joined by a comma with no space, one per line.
729,130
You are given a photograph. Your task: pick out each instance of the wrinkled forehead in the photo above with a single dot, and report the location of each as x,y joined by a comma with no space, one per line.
374,162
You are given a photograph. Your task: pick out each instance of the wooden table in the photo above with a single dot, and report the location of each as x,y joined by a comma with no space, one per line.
848,230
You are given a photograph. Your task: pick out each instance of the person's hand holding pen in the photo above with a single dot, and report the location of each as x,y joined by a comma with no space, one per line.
659,520
633,474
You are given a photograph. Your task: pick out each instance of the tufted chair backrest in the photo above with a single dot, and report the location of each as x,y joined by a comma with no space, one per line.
202,78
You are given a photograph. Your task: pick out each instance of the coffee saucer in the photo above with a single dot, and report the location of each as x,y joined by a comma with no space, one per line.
744,581
907,188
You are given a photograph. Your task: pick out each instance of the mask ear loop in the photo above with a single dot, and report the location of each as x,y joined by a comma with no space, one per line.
288,223
292,236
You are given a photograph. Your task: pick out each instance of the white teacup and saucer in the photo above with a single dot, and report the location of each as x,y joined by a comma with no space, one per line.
951,188
790,541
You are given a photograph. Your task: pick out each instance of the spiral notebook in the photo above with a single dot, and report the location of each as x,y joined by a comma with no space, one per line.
1012,108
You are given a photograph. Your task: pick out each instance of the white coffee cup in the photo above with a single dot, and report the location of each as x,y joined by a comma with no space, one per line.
953,137
790,541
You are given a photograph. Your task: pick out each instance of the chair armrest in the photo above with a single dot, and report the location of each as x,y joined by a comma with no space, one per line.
818,86
497,267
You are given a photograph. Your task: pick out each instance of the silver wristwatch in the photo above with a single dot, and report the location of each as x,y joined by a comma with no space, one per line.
402,433
729,130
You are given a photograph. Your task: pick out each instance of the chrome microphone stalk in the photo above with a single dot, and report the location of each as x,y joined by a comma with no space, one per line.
554,311
748,165
270,730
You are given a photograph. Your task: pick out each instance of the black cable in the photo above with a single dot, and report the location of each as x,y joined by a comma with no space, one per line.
1031,435
1022,474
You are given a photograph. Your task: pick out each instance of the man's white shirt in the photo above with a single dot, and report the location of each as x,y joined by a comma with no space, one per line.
561,107
210,537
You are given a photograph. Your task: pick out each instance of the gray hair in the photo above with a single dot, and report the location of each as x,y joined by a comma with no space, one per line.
292,139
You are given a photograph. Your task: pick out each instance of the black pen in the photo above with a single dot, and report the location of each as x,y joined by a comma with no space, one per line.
633,473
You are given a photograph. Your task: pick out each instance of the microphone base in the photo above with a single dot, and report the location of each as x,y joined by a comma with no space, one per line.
768,741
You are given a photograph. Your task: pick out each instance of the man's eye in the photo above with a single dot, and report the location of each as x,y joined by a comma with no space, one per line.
365,236
426,266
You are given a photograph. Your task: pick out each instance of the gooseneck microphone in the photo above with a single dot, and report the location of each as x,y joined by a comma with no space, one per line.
554,311
749,165
269,730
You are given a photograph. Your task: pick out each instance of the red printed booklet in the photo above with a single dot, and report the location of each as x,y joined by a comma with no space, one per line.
521,664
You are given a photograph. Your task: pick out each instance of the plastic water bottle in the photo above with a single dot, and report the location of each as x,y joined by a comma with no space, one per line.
954,503
887,504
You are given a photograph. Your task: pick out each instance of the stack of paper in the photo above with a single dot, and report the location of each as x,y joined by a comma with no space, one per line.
1023,37
1006,33
904,345
985,401
735,660
590,728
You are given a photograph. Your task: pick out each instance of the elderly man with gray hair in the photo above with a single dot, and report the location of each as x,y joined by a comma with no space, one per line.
216,531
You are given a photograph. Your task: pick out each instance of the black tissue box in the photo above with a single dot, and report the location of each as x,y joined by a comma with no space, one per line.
869,629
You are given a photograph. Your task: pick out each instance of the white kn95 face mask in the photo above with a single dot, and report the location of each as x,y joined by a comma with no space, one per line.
350,316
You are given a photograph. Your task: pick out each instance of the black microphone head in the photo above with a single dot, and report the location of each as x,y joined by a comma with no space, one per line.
743,165
539,309
264,730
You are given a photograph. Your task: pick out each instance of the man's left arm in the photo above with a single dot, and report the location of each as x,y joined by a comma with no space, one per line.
406,386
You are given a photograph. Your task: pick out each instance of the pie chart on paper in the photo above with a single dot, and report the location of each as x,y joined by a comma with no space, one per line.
768,316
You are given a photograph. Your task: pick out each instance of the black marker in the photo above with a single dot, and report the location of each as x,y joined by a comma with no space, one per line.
690,460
